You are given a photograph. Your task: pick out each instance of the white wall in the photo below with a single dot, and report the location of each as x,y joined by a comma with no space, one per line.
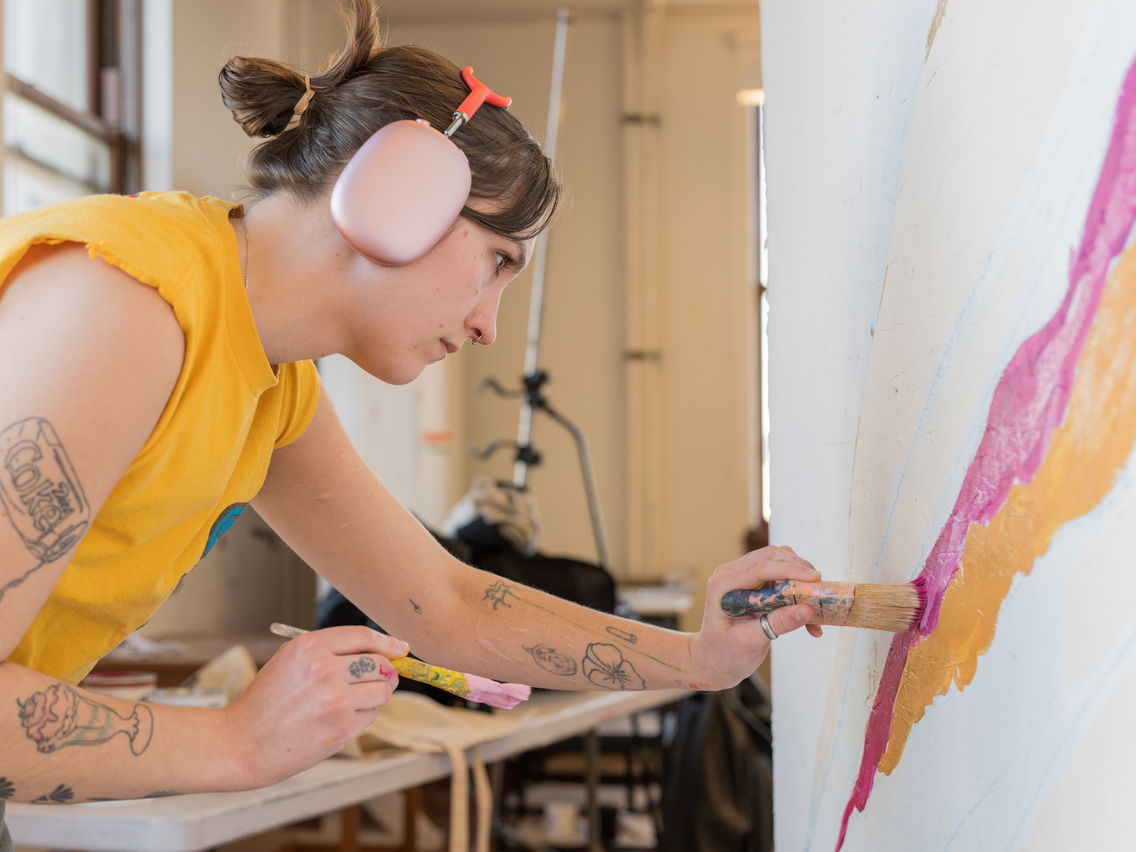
930,168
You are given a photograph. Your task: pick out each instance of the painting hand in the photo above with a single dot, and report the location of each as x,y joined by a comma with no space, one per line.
727,649
316,694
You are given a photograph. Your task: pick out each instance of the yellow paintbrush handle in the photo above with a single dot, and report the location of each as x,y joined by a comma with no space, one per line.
447,679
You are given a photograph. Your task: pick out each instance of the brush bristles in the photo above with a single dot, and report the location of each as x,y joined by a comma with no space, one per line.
896,607
504,696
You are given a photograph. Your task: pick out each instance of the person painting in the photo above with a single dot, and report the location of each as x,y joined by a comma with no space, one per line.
157,378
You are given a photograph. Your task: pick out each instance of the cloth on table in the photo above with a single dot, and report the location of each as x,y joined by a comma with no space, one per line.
410,721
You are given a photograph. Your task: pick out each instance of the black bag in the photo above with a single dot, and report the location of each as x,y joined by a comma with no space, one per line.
718,773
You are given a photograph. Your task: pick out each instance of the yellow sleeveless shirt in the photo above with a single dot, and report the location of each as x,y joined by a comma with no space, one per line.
209,452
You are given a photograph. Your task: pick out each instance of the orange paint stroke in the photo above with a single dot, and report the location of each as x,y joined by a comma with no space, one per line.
1078,472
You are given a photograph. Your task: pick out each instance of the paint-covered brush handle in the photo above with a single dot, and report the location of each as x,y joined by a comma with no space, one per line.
832,601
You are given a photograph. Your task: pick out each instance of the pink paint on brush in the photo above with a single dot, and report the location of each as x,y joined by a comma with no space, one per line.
1028,405
504,696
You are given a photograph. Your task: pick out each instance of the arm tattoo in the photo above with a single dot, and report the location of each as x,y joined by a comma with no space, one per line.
361,667
61,795
40,492
551,660
622,634
59,716
499,594
417,608
605,666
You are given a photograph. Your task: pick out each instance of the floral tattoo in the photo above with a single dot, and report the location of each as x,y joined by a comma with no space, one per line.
605,666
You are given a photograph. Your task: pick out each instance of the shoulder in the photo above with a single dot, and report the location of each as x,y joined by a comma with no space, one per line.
150,236
62,286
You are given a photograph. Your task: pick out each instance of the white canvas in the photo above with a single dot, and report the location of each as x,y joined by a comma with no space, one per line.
925,196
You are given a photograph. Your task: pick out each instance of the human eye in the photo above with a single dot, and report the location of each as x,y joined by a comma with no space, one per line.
509,258
503,260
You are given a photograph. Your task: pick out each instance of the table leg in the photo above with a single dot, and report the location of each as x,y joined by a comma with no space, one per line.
349,829
592,761
412,801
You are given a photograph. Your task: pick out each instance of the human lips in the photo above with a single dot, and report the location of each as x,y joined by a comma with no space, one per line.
450,348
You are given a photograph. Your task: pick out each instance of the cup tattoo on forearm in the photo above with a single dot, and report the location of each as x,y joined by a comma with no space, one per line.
59,716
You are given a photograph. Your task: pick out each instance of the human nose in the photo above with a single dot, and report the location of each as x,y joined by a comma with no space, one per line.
482,320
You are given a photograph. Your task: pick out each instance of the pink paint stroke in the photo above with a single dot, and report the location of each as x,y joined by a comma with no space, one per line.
1028,405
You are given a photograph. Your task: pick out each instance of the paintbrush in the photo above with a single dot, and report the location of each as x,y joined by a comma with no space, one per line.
471,687
897,607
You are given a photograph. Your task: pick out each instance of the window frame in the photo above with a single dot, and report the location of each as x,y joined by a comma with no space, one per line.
113,114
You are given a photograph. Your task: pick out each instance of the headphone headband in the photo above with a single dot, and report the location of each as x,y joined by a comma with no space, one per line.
479,93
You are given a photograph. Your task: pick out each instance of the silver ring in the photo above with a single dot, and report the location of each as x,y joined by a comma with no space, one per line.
763,620
477,340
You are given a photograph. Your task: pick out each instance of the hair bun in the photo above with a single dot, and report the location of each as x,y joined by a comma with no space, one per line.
261,93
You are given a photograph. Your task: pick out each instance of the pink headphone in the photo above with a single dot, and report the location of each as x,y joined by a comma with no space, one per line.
406,185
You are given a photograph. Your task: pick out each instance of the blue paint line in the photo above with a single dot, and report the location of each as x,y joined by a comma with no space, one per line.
1096,697
974,808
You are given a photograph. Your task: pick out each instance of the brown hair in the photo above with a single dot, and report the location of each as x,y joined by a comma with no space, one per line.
364,88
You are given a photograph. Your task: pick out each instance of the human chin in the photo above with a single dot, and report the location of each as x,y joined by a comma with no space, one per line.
401,372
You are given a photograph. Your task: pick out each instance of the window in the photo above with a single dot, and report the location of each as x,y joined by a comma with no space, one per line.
71,104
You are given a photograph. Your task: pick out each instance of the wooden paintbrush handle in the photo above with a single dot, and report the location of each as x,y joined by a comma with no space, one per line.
832,601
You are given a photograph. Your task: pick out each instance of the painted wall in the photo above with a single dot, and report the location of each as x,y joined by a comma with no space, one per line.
952,196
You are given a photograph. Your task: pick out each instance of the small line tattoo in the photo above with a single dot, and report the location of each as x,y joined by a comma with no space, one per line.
622,634
40,491
60,716
605,666
417,608
499,594
551,660
362,667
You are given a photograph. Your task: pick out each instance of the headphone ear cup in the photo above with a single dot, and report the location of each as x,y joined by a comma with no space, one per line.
400,193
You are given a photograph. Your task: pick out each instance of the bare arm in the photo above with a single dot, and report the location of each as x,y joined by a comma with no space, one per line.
320,496
88,358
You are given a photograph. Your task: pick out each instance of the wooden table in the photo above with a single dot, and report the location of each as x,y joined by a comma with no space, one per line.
205,820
